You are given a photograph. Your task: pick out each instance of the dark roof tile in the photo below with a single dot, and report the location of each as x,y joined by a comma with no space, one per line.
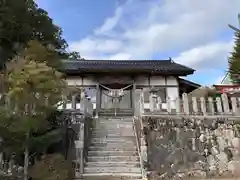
136,66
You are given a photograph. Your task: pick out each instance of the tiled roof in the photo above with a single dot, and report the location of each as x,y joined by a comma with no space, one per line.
131,66
190,83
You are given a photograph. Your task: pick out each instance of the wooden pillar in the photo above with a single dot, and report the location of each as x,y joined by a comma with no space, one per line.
98,99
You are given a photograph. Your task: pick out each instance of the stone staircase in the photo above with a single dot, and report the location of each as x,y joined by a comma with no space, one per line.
112,153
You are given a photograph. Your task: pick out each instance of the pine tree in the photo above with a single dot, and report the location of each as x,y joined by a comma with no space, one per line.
234,61
32,91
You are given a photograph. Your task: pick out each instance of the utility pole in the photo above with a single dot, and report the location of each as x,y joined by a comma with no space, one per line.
235,28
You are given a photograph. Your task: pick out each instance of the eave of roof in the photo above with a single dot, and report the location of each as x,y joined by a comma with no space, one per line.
189,83
74,67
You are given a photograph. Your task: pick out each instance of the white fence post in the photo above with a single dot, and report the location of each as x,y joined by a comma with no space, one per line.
194,104
185,103
211,105
159,104
225,103
234,104
168,103
219,105
203,105
178,105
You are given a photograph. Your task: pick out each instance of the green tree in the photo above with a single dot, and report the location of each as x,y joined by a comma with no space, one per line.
234,61
22,21
37,51
34,89
75,56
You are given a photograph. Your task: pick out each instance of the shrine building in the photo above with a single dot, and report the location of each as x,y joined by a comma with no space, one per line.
104,80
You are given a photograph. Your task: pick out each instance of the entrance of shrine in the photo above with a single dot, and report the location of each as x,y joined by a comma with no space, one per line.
116,97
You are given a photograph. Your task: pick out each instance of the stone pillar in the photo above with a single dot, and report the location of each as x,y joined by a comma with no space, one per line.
79,145
98,99
82,102
151,101
142,102
133,97
144,150
74,101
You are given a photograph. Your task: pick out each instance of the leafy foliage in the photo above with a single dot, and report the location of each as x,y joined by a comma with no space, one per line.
75,56
22,21
234,61
32,91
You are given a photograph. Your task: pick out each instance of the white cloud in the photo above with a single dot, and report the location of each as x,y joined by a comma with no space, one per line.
210,56
140,29
110,22
95,46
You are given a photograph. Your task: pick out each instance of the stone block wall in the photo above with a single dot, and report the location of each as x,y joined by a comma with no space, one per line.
192,148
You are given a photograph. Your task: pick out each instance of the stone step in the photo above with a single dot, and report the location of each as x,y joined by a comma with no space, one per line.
112,158
112,170
113,126
112,176
115,138
103,135
112,133
110,130
109,148
113,164
111,120
112,153
118,139
110,114
114,121
112,140
119,145
115,118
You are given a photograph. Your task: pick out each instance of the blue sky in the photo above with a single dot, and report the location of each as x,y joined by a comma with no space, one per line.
193,33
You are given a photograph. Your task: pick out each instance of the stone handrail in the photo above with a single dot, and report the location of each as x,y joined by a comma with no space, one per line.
82,114
86,107
139,107
196,106
138,133
81,144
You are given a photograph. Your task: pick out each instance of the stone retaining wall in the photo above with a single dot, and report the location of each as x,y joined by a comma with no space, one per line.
192,148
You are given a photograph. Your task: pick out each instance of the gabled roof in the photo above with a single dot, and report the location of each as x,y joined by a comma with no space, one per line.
164,67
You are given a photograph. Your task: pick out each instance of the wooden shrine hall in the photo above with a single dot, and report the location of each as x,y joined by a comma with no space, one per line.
117,84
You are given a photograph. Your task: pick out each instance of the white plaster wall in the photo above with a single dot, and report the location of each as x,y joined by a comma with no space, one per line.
157,81
74,81
89,80
172,92
141,80
172,81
